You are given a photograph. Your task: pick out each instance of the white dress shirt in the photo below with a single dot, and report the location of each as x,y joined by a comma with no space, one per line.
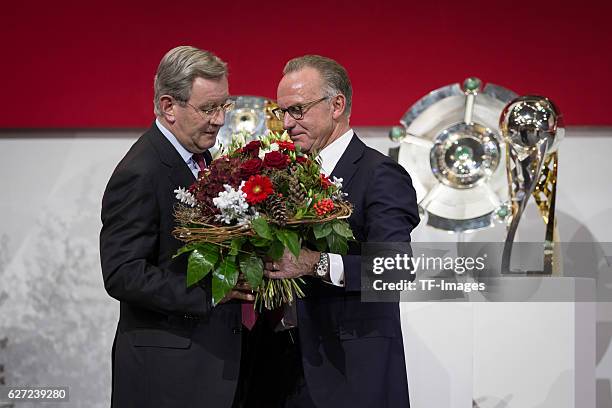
329,158
186,155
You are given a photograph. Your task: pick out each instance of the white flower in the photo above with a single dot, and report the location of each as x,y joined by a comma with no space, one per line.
337,181
263,152
185,197
233,206
274,147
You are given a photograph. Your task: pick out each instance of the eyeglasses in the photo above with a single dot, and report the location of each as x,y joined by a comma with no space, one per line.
297,112
212,111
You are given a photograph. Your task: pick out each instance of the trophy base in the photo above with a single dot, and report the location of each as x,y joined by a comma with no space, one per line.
526,273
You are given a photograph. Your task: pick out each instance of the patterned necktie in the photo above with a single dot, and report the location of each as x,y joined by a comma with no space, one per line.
199,159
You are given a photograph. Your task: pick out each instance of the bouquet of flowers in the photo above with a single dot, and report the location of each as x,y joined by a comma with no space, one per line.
253,201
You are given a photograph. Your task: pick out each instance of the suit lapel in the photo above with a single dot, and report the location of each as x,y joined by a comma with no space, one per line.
347,165
181,176
179,173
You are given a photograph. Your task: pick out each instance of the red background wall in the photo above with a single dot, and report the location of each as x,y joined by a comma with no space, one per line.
91,65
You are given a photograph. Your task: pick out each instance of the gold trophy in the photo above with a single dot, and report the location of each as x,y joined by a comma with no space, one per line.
532,129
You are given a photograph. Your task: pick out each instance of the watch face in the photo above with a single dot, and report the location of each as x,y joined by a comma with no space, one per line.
323,265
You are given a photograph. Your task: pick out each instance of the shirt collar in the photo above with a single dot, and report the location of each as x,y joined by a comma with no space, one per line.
185,154
332,152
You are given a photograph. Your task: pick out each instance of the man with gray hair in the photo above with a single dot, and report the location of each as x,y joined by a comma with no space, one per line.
171,348
348,353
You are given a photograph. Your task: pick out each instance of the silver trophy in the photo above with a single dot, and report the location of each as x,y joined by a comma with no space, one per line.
251,117
451,145
532,128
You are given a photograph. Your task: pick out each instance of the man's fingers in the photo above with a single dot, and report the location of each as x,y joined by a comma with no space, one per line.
236,294
243,286
272,266
273,274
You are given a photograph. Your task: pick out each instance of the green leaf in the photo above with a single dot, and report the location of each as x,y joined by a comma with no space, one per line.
261,227
183,249
236,245
210,251
201,262
224,278
252,267
276,250
342,228
259,242
337,244
321,244
322,230
291,240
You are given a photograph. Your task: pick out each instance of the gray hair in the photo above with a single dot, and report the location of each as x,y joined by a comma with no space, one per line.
180,67
335,78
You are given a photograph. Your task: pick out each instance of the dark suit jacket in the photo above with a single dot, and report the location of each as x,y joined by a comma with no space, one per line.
352,352
172,349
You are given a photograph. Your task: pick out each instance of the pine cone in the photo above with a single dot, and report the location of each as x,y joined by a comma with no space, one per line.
297,194
276,210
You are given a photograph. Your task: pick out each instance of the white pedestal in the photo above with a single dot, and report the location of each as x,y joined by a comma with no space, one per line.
504,355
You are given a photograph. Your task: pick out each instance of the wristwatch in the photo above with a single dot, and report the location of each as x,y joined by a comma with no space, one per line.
322,268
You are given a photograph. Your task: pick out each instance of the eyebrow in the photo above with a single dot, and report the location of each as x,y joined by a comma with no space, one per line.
209,105
295,105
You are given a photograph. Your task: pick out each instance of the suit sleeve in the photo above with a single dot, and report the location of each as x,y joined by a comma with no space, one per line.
391,213
129,249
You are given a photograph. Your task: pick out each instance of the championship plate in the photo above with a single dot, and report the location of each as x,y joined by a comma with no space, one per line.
451,145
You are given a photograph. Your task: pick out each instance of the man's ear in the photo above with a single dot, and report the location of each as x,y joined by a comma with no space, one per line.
339,106
167,105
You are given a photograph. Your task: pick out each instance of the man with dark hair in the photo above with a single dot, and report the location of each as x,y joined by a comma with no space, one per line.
172,348
351,353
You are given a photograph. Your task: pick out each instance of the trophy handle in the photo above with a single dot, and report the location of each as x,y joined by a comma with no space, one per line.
526,173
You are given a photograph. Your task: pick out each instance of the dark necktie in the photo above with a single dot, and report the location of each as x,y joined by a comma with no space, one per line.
248,315
199,159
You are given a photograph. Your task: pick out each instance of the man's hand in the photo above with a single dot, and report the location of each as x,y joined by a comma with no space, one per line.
289,267
242,291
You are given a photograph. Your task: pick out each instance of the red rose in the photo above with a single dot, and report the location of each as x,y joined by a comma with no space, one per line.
301,159
257,189
250,168
276,160
252,148
286,145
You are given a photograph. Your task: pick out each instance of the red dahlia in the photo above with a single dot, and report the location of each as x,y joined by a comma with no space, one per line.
257,188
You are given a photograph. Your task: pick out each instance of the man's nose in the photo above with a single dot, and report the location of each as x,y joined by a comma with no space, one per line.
218,117
288,122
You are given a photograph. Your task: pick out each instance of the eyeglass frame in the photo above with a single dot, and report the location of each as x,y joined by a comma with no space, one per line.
210,112
304,107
